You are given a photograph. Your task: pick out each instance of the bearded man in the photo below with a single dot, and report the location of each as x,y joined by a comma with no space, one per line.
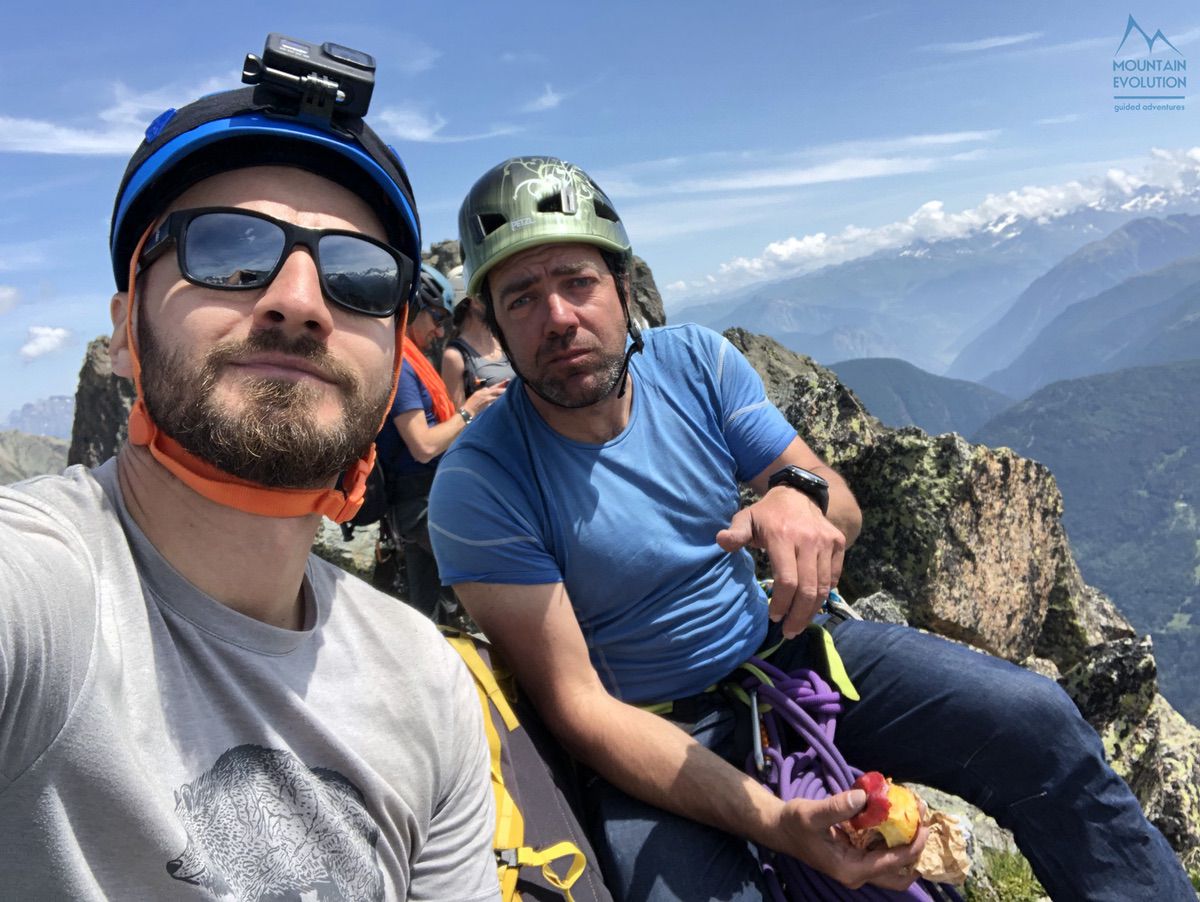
593,527
192,705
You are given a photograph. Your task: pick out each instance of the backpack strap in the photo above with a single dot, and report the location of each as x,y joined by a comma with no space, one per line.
469,356
544,858
511,853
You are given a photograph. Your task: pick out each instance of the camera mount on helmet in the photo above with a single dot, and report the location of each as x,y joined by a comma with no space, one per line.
315,83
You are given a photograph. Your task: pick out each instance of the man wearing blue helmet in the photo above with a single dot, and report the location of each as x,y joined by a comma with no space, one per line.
192,705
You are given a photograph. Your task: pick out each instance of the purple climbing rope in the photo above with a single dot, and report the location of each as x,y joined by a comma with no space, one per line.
804,704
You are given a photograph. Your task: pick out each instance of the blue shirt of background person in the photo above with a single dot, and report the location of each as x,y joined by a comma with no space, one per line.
393,452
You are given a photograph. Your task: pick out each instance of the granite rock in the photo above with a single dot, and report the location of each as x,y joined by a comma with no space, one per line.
102,403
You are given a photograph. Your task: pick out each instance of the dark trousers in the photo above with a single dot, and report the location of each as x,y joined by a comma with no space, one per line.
934,712
408,519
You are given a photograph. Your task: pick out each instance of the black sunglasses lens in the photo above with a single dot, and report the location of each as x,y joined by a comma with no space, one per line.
231,250
360,275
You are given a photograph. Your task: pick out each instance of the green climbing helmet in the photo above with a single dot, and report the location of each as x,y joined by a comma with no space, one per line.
527,201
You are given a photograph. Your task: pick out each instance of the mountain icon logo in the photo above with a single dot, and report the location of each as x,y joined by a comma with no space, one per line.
1133,26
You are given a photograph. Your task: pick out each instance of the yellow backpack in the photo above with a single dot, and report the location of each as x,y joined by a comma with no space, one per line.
537,825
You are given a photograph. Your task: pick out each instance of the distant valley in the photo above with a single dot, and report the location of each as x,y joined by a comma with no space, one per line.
1124,448
901,394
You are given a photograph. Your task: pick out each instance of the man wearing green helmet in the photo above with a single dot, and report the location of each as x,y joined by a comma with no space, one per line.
192,705
591,524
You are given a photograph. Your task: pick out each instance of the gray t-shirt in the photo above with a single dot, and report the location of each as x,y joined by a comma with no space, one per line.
156,744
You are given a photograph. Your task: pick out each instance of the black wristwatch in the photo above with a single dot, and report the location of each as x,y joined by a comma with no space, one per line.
466,415
802,480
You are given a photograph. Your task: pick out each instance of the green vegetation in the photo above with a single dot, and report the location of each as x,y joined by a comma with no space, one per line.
901,394
1125,450
1007,877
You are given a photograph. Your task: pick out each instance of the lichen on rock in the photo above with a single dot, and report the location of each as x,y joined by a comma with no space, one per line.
968,542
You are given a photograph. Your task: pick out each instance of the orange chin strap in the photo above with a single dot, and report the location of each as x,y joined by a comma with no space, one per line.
339,505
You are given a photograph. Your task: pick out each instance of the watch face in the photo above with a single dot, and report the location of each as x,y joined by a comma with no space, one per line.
796,475
803,481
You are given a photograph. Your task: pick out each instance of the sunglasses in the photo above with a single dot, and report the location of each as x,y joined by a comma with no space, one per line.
439,315
235,250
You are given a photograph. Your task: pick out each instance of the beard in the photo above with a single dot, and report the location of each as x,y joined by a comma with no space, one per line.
274,440
607,371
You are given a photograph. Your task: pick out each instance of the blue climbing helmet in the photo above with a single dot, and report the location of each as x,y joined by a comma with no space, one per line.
434,289
305,110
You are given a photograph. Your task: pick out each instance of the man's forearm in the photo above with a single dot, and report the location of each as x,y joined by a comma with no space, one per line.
651,759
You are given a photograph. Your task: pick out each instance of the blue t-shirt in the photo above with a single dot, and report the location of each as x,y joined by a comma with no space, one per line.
391,449
629,525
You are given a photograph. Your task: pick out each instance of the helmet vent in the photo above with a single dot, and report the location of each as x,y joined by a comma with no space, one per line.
604,211
564,201
487,223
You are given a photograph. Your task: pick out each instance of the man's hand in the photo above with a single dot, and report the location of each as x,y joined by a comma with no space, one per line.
805,550
807,831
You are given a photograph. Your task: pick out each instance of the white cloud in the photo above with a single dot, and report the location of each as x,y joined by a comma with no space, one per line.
510,57
416,58
848,169
1186,37
43,340
118,132
1007,40
38,136
679,215
1063,48
749,171
548,100
22,255
8,298
1060,120
412,124
1166,176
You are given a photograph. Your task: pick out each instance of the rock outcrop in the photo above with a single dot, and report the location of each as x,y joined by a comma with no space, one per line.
647,302
102,403
23,455
967,541
445,256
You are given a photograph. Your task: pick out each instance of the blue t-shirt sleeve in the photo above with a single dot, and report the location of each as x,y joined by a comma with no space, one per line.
754,429
408,391
484,525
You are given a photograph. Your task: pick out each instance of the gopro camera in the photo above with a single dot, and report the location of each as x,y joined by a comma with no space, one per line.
320,80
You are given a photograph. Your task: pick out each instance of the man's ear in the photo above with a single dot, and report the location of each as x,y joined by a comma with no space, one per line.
119,351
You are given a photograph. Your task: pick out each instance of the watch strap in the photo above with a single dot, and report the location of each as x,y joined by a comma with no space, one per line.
804,481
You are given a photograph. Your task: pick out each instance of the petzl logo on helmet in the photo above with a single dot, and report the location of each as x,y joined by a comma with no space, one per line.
1146,81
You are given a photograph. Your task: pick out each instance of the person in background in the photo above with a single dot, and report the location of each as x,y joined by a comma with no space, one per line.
473,357
422,424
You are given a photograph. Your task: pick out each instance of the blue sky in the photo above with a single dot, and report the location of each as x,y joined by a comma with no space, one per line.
739,141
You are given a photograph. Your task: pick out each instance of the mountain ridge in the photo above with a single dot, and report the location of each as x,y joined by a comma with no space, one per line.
1105,332
901,394
1135,248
